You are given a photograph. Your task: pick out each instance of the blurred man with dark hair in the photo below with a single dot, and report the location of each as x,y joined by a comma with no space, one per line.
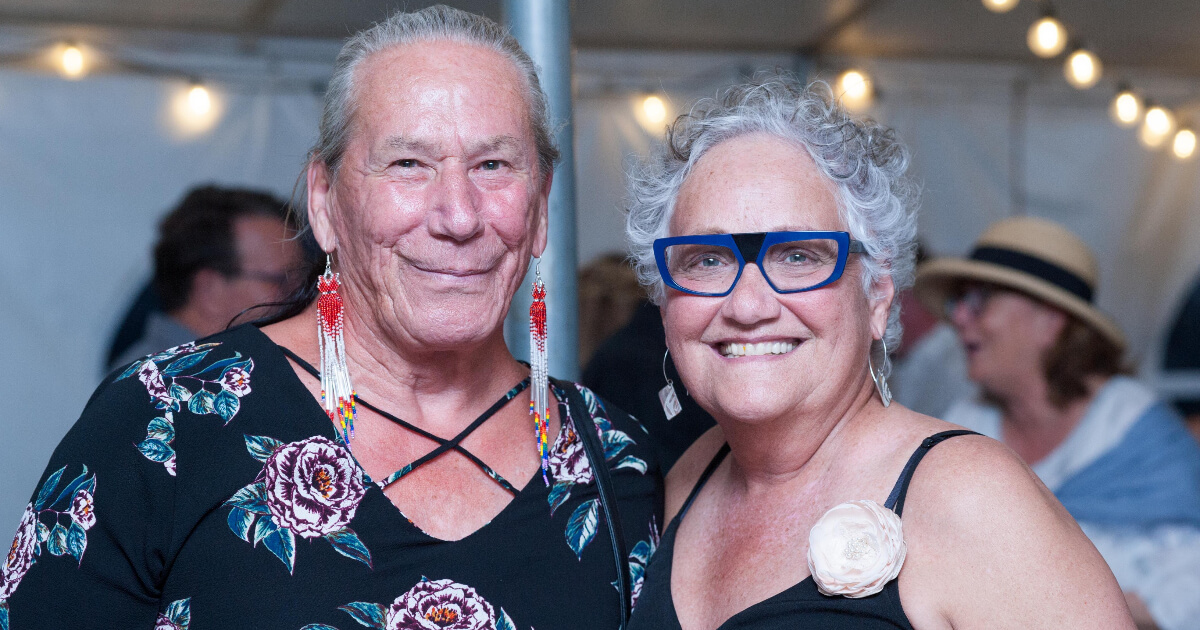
219,252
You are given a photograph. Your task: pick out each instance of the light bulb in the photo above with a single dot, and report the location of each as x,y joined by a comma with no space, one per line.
72,62
1185,144
854,87
1126,108
199,101
1000,6
1156,127
654,109
1047,37
1082,69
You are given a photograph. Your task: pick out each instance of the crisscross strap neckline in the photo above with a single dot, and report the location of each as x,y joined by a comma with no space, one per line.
444,445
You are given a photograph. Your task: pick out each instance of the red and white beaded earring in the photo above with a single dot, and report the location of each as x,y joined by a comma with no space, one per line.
337,394
539,373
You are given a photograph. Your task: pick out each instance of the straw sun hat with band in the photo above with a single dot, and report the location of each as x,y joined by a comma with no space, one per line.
1034,256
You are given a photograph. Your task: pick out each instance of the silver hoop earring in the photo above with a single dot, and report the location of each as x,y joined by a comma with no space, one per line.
667,395
881,385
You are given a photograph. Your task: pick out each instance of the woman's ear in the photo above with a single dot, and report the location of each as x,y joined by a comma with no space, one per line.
320,198
881,305
541,229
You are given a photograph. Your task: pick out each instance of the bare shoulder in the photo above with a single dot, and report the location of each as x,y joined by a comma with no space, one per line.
988,541
688,468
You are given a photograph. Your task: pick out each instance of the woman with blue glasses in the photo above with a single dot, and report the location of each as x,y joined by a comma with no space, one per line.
774,231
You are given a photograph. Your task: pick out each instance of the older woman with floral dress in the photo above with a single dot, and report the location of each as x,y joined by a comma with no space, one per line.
775,231
369,459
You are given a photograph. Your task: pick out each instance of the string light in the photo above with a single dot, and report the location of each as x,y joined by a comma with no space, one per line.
854,89
1082,69
1000,6
1126,108
1047,37
71,62
654,109
1185,144
1156,127
199,100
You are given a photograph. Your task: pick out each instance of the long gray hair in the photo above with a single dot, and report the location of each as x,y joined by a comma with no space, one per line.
436,23
860,157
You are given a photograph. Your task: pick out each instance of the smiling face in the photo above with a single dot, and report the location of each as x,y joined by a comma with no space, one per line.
438,202
755,354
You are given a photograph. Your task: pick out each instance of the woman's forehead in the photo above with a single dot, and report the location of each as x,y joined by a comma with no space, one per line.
755,183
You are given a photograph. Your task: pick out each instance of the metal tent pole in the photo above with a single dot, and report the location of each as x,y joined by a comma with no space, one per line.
544,29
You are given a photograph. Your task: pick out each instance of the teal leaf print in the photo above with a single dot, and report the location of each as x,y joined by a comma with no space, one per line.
219,366
57,544
43,532
76,541
280,541
155,450
614,442
581,528
261,446
75,485
366,613
641,552
505,622
252,498
179,392
629,461
129,370
240,521
179,365
180,613
318,626
347,543
48,489
226,405
201,402
160,429
559,495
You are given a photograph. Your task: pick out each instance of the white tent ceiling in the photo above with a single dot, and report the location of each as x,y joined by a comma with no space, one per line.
1157,34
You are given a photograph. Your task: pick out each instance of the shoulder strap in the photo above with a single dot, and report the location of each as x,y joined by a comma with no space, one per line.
712,467
586,429
895,500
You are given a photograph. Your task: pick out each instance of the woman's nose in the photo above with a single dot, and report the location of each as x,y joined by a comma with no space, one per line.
752,299
454,213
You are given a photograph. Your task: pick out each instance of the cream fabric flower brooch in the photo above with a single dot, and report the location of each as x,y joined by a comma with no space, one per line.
855,549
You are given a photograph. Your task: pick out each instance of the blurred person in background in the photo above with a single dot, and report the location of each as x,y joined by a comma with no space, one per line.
1052,388
623,348
219,252
1182,355
373,454
929,371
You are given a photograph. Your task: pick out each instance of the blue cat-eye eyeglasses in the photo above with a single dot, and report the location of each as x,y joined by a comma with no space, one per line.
791,262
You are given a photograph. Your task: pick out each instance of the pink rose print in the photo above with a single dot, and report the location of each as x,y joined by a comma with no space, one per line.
82,509
313,486
149,375
236,381
20,554
568,461
440,605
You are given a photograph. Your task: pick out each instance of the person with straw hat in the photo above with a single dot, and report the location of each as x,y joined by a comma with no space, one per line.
1052,388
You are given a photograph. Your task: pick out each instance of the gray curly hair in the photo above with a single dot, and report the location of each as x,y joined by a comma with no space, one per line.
436,23
862,158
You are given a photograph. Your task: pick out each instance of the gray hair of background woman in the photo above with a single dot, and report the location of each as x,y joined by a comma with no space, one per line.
436,23
862,158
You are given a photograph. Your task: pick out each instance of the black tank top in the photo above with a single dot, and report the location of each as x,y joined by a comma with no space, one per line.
801,605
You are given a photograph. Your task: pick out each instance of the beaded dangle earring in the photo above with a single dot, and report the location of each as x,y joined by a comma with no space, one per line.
881,384
539,374
337,394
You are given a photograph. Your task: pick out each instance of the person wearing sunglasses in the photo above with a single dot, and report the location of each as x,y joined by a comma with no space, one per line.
775,231
1053,387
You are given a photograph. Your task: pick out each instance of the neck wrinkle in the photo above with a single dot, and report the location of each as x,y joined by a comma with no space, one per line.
758,462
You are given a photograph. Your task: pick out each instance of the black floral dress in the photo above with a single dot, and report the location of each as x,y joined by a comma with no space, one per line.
204,487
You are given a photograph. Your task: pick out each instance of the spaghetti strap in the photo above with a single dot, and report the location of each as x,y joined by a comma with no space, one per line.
444,445
895,500
712,467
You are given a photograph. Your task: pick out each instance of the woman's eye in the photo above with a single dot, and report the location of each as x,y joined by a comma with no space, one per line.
710,261
491,165
406,163
797,257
